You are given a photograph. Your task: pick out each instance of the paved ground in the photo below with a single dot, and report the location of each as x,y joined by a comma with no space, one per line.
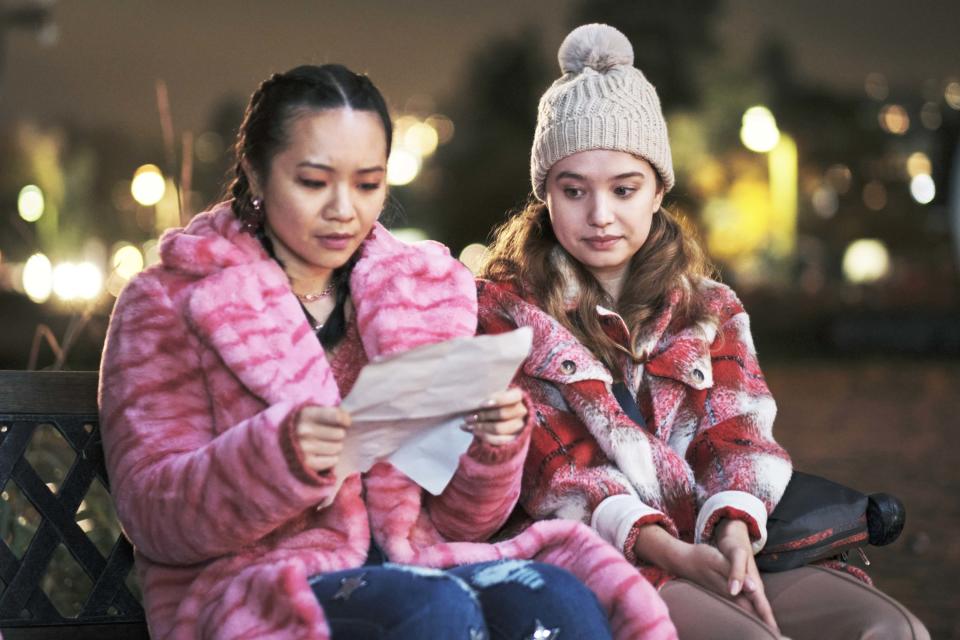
889,426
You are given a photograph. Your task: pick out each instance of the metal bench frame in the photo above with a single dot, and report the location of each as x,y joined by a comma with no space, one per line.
68,401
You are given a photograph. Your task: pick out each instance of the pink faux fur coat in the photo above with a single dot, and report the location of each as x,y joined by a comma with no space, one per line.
208,357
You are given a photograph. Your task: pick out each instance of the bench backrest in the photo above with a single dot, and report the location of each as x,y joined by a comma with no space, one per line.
48,407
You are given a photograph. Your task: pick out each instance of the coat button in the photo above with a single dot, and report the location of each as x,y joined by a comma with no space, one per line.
568,367
698,375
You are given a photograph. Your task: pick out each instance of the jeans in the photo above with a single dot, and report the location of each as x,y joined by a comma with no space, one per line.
487,601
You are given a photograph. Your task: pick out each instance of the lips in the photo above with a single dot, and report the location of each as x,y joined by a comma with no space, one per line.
335,241
602,243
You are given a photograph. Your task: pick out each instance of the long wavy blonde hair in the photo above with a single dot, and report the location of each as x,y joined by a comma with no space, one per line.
670,260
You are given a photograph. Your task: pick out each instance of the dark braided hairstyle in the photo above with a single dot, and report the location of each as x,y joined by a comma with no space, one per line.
264,132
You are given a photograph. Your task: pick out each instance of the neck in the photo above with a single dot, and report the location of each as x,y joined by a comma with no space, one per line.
304,278
611,281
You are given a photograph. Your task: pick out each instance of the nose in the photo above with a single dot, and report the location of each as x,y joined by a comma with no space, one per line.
601,213
340,205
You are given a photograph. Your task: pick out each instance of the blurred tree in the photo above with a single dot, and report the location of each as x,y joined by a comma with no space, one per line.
484,170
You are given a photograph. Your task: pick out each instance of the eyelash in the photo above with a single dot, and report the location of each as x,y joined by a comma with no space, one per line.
319,184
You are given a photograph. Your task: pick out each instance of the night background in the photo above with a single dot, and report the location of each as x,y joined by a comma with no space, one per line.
816,145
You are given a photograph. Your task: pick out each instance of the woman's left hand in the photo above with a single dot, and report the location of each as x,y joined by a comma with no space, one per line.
500,419
733,540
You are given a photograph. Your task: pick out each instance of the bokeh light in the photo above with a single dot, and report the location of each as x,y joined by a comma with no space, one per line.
919,163
875,195
930,116
421,138
759,130
38,277
894,119
443,126
951,95
922,188
473,256
876,86
148,185
127,261
30,203
840,177
82,281
825,201
866,260
402,167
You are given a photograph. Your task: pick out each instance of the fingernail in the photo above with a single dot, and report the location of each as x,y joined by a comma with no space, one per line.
489,402
734,587
473,418
467,428
749,585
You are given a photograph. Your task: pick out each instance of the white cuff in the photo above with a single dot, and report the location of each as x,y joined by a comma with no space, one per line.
741,501
614,518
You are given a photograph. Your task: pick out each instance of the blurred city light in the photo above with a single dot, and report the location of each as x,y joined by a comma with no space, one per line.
148,185
402,167
930,116
825,201
208,147
151,252
409,234
783,169
951,94
875,195
839,177
473,256
127,261
759,130
38,277
922,188
919,163
894,119
876,86
30,203
443,126
421,138
82,281
866,260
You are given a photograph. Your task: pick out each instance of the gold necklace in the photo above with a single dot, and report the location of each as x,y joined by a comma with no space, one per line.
313,297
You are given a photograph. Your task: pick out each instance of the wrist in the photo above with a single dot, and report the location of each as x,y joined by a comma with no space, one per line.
655,545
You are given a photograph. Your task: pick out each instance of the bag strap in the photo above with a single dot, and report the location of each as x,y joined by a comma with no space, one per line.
628,403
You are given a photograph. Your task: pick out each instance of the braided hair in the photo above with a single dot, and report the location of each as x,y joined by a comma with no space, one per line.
264,132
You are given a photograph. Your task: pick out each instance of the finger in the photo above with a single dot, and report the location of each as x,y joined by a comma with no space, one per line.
319,431
321,448
762,606
321,463
738,570
325,415
503,428
512,395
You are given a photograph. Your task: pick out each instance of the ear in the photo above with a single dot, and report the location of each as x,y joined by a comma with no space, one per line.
252,178
658,199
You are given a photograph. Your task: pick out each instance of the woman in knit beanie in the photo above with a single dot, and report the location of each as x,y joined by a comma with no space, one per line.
654,422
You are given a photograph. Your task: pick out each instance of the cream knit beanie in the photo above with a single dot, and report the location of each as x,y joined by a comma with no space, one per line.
600,102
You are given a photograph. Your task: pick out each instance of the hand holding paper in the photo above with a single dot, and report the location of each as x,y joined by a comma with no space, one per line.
407,408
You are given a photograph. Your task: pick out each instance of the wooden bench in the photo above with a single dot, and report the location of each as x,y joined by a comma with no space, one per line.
41,413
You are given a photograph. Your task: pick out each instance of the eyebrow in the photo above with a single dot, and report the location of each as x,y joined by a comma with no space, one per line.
326,167
621,176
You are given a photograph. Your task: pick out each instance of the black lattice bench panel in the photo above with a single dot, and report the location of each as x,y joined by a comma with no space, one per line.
65,566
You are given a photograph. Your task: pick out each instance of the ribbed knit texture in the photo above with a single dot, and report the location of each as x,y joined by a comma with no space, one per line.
601,102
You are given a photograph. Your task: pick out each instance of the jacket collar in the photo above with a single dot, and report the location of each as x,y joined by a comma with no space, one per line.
242,306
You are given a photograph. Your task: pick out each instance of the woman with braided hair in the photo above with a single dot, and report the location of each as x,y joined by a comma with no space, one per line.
221,378
653,419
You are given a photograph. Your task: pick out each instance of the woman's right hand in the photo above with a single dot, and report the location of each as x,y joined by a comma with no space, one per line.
702,564
320,432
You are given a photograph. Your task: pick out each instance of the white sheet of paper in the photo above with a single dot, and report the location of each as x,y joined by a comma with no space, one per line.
407,408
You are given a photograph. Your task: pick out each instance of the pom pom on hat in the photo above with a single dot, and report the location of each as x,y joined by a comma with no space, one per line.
598,46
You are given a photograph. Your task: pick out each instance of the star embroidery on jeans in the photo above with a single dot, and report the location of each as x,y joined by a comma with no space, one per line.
349,585
542,633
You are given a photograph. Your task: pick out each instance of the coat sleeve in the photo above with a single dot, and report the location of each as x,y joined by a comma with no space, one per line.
484,490
183,495
740,470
